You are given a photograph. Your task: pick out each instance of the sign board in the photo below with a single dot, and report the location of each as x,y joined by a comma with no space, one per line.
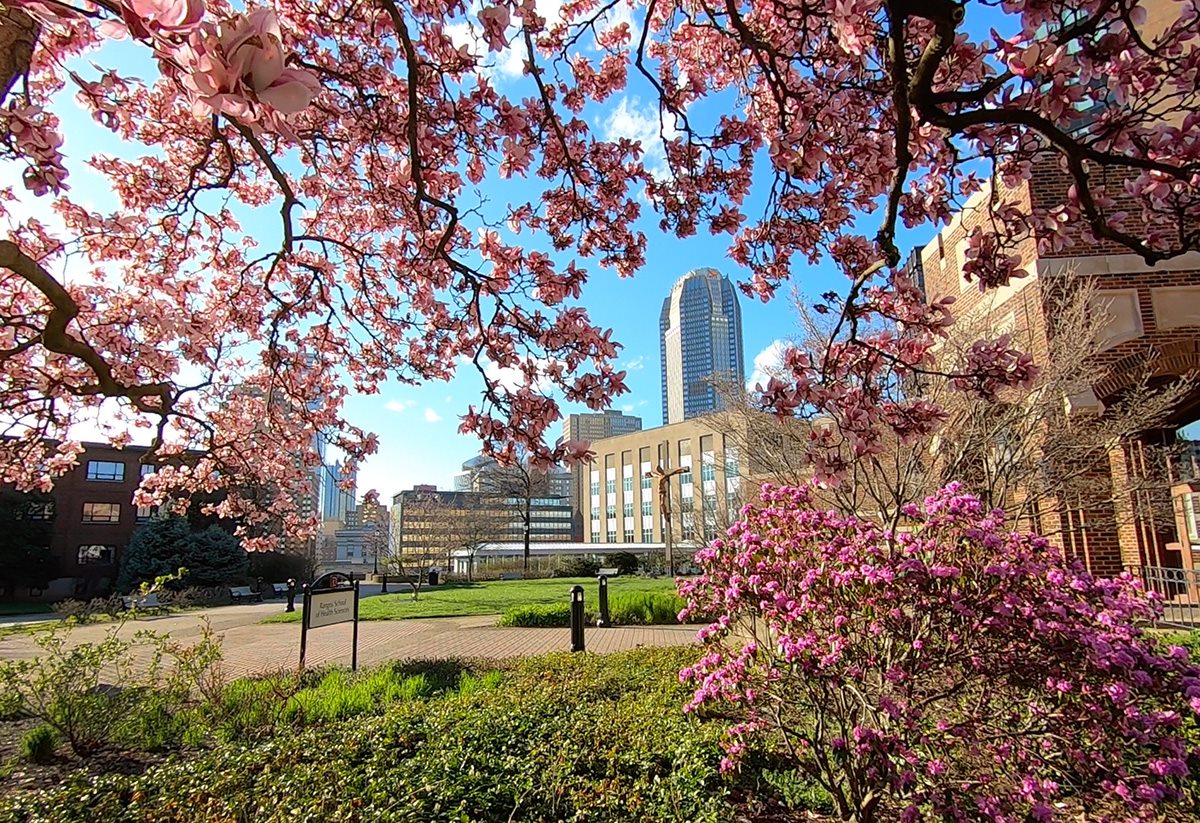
328,608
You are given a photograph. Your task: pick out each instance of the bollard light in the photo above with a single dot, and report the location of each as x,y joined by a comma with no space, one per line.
604,619
577,618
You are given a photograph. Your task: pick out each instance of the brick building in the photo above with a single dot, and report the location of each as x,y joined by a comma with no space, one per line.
93,518
1151,332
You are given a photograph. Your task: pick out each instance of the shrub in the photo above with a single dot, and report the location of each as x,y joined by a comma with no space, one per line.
542,616
645,608
954,670
38,744
623,562
77,611
63,689
577,567
96,695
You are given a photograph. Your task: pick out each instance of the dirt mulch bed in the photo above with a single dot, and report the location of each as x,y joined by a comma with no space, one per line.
20,775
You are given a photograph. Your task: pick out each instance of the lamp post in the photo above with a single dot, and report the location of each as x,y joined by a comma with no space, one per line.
664,504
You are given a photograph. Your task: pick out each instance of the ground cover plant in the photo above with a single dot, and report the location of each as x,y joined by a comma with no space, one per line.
952,670
490,597
559,737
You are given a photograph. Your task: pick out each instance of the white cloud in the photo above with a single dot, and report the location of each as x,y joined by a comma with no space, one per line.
618,14
636,364
511,378
768,363
509,63
399,405
431,416
633,121
628,407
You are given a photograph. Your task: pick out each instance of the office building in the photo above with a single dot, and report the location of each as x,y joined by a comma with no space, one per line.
700,345
599,425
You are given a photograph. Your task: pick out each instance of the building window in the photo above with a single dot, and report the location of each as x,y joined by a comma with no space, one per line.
646,480
628,508
611,510
647,508
708,471
108,471
146,512
610,486
595,537
595,512
611,536
39,511
685,477
627,484
101,512
629,535
595,488
95,555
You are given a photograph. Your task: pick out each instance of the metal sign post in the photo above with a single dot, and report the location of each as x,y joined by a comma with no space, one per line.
328,607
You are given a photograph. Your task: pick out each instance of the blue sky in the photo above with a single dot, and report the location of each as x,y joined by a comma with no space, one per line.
417,426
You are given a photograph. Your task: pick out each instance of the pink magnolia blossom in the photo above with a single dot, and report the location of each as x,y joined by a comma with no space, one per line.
973,667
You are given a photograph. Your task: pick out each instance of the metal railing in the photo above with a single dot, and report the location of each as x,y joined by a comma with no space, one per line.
1180,592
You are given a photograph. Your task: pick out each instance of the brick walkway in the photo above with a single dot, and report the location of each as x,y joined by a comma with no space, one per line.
251,647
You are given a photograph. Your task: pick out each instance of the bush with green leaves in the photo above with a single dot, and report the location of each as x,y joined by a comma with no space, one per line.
537,616
39,743
577,567
113,693
562,737
623,562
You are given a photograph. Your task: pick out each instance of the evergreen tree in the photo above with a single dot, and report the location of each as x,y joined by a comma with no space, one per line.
212,556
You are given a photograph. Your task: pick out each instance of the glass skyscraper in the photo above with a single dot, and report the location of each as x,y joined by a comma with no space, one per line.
701,343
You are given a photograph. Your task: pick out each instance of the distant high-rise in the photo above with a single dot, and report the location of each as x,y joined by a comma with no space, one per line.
701,343
337,502
599,425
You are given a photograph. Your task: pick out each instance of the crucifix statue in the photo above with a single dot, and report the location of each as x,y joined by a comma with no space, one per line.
664,504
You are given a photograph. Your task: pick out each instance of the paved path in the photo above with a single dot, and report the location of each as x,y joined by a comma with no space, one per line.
251,647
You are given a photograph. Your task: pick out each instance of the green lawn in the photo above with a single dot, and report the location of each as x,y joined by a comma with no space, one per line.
494,597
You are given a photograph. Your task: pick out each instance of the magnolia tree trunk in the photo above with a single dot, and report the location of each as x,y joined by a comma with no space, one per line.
18,35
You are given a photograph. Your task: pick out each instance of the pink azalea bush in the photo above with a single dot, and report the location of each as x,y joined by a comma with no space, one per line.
954,670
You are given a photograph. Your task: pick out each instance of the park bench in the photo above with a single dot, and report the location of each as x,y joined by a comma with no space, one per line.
279,589
512,576
143,603
240,593
608,572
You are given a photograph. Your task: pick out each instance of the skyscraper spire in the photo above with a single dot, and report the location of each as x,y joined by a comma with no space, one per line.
701,343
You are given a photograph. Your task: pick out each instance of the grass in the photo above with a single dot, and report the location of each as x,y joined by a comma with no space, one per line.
493,597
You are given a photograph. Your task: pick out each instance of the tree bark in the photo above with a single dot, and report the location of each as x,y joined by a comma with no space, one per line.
18,35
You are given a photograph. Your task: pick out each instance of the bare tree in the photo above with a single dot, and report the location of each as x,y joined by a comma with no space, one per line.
515,485
483,520
423,539
1031,451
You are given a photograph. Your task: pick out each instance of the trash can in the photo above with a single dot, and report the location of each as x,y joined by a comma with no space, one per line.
433,577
